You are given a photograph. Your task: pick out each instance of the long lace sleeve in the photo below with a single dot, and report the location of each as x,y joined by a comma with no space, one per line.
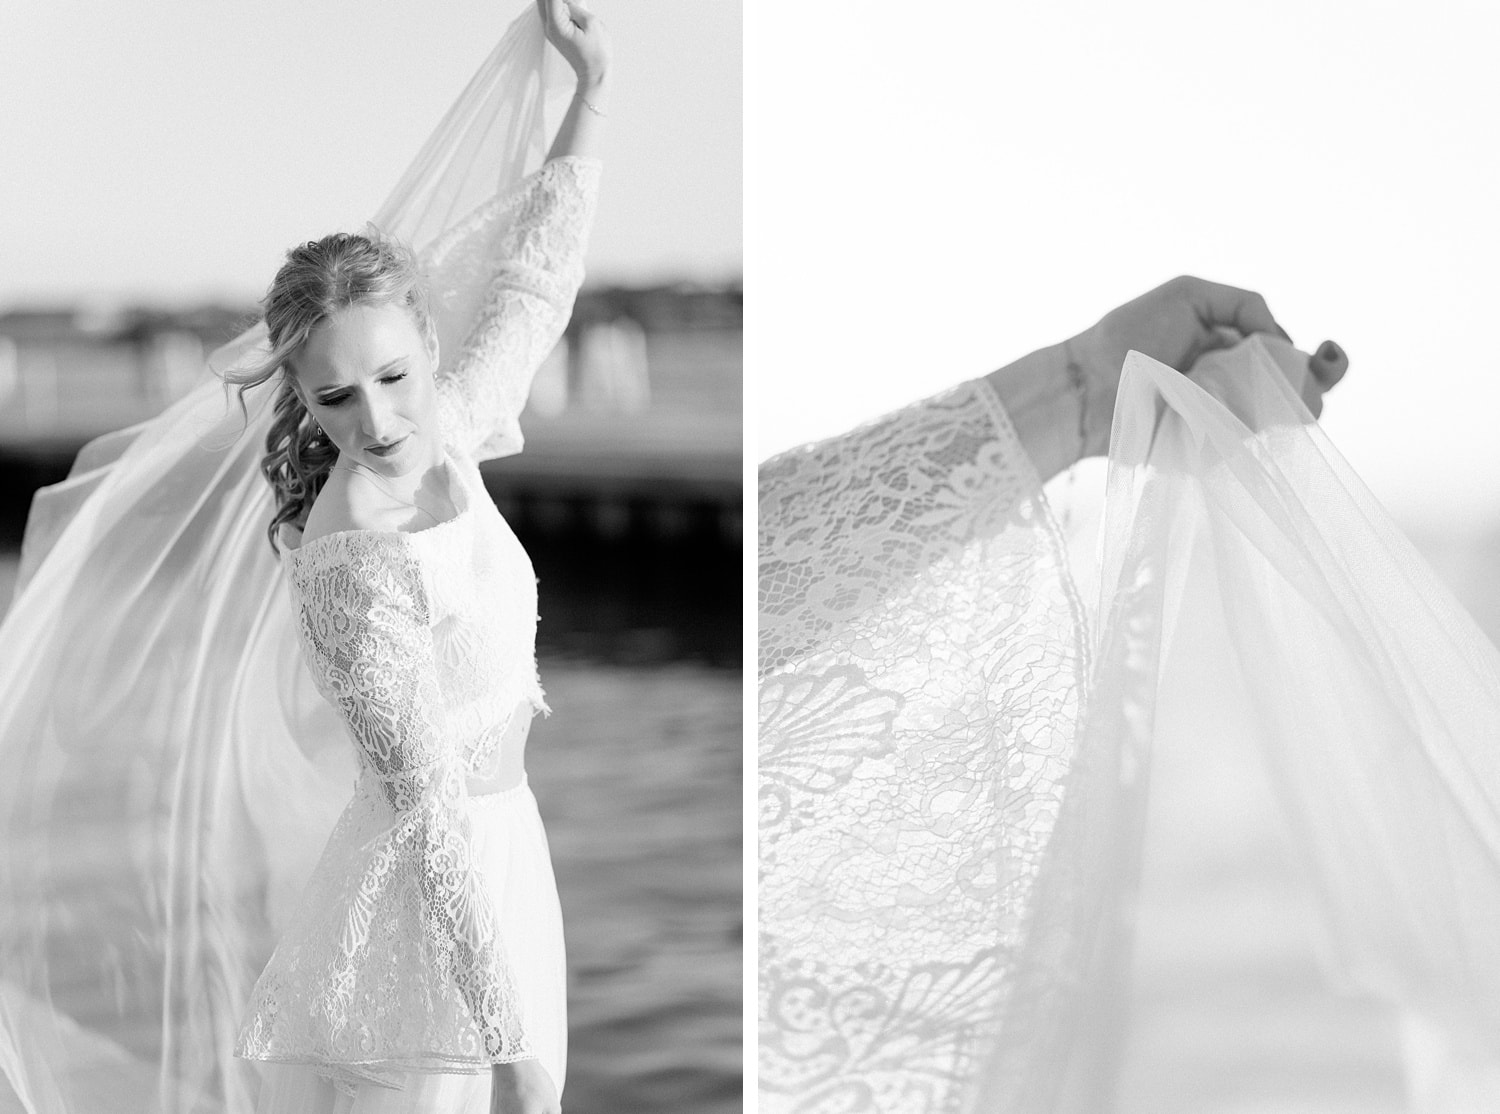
523,252
365,629
919,666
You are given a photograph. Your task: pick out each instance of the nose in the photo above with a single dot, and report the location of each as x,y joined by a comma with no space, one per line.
376,418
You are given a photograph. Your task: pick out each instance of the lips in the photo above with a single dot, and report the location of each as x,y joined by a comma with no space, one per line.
388,448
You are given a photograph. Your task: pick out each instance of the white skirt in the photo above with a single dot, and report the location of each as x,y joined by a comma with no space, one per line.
510,851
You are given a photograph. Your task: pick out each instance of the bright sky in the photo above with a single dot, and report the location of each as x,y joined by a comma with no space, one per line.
935,191
174,149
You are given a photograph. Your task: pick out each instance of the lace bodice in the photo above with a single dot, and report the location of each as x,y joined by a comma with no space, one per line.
919,672
425,643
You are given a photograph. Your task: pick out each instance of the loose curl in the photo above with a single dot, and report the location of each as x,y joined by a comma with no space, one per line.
319,278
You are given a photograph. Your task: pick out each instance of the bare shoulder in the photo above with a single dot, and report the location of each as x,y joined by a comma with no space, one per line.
349,503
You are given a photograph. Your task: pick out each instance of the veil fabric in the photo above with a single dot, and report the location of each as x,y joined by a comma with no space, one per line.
1250,585
168,774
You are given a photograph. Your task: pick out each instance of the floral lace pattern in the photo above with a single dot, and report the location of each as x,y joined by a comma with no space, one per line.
920,667
503,283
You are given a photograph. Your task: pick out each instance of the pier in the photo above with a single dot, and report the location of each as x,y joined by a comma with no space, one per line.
628,496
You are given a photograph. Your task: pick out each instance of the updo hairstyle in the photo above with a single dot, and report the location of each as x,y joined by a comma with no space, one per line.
319,278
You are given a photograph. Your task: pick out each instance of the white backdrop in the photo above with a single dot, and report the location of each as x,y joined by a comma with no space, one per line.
932,192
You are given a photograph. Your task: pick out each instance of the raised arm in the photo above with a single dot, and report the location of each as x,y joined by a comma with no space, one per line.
1061,399
365,629
579,36
537,267
504,279
850,520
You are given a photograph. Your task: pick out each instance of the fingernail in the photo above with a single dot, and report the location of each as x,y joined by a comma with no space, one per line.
1329,352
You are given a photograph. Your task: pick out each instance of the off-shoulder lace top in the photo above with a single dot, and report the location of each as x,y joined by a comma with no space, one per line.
425,643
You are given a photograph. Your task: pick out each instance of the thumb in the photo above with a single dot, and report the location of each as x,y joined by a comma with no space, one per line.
580,15
1214,339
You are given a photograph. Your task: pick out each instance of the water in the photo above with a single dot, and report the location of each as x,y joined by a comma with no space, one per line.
638,777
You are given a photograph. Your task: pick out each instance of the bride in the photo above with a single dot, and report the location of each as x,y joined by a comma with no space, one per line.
955,749
421,968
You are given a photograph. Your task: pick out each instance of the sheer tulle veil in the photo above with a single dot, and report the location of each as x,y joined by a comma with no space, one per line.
169,773
1252,587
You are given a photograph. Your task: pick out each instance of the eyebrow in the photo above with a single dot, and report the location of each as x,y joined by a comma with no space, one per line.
324,392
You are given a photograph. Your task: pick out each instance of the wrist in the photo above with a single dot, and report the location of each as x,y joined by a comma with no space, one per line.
592,96
1095,379
592,84
1095,366
1060,410
1040,399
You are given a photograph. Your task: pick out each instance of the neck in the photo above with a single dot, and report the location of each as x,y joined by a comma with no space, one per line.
404,487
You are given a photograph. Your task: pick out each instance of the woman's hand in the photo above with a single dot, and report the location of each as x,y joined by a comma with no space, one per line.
523,1087
1176,323
579,36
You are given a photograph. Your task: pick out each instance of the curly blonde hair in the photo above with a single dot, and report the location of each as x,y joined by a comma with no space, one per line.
319,278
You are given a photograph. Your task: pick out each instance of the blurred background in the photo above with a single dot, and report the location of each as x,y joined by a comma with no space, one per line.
944,190
160,160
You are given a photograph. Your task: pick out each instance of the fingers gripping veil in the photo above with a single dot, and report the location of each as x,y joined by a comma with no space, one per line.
169,771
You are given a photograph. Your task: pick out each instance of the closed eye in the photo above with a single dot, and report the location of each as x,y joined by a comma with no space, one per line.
343,396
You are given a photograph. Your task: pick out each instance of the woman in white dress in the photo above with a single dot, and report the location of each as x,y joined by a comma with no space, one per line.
431,940
422,968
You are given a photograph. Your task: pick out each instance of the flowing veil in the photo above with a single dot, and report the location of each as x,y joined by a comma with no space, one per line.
168,775
1252,586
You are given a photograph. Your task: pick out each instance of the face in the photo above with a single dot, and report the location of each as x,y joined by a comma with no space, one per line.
366,375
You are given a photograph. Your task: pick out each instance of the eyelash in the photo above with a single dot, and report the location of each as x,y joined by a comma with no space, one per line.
337,400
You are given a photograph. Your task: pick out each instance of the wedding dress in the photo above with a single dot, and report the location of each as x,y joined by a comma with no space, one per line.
177,708
430,937
955,750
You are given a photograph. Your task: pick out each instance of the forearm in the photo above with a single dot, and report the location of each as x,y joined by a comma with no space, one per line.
582,128
1060,412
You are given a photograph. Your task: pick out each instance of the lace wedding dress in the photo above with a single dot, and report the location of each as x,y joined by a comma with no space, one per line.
954,755
178,929
430,938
